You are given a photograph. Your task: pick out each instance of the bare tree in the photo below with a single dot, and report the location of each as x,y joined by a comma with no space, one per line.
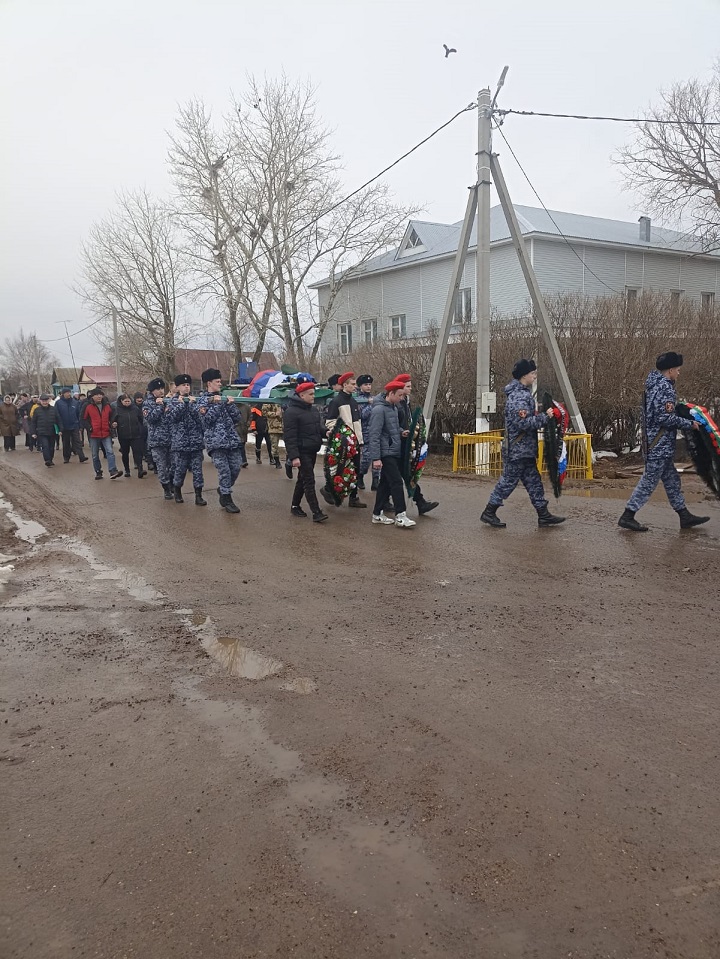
674,158
29,361
134,262
265,193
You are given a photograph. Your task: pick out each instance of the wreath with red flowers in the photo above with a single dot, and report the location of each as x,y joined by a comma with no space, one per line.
340,472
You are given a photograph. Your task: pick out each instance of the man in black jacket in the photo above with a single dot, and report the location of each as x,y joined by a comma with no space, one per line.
304,434
44,422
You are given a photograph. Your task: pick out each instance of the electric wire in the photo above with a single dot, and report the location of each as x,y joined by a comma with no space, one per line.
579,116
76,333
552,218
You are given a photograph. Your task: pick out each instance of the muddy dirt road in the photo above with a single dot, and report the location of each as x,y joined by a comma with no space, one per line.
250,736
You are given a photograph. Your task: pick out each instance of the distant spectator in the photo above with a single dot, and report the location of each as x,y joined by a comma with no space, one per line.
9,423
68,417
128,421
44,427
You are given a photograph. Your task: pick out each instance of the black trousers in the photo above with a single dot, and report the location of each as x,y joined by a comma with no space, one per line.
72,443
391,484
136,447
47,445
9,442
259,437
305,483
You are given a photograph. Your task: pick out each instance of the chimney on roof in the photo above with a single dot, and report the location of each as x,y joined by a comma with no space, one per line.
645,222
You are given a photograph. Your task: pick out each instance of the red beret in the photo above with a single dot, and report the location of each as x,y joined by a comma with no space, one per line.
394,385
304,387
403,378
344,378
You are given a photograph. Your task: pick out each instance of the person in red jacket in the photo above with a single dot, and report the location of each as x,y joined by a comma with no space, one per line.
98,414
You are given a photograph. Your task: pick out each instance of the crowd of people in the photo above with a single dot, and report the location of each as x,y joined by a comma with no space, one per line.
169,430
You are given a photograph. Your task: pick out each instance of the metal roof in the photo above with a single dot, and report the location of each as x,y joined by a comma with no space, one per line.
442,239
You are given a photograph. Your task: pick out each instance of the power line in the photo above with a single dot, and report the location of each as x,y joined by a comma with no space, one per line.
339,203
76,333
552,219
578,116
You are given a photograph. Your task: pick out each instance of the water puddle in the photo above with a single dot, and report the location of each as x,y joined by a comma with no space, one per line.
302,685
237,660
133,583
7,589
25,529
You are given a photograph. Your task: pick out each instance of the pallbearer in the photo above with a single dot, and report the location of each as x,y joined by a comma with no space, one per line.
219,417
159,438
186,431
522,422
660,426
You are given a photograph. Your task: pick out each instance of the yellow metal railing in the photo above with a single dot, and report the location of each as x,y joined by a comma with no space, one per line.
481,453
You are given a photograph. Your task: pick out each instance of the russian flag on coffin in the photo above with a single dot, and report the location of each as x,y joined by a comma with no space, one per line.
263,382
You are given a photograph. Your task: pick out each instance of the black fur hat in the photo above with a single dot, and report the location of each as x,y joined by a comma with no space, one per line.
157,384
668,361
210,375
332,380
363,379
522,368
182,378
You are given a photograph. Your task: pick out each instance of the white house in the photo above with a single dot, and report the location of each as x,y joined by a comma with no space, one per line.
402,293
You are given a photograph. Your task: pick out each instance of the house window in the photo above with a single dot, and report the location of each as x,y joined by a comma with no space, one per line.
630,295
463,306
369,329
675,299
398,327
413,241
345,337
707,301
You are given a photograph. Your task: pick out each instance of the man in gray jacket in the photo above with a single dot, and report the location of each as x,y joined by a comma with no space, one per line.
385,449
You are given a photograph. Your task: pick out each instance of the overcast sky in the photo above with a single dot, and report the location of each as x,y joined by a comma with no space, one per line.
90,88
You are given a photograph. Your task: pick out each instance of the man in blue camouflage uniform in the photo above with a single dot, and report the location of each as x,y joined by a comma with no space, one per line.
660,426
522,422
186,431
219,417
159,438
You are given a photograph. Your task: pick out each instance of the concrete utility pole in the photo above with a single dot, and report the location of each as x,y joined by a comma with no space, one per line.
536,296
37,364
118,384
482,261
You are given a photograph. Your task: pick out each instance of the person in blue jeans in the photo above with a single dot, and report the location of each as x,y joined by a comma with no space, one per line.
98,414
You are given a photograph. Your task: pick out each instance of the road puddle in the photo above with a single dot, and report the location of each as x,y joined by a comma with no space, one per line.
132,583
241,661
25,529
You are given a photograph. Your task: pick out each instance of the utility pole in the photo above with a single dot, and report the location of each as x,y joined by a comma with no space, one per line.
37,363
118,384
482,261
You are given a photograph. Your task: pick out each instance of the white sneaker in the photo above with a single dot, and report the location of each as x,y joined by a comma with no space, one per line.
404,522
385,520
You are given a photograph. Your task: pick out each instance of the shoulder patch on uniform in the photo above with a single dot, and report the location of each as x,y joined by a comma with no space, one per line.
669,407
522,414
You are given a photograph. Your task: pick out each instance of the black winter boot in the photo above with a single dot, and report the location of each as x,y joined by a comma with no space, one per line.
628,521
199,501
687,520
230,507
278,464
297,511
178,495
489,515
258,459
546,518
168,490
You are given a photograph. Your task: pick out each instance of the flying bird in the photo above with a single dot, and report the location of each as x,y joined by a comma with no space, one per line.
449,50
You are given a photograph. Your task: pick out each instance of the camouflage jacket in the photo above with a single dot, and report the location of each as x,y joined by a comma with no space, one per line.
158,424
522,422
659,416
218,422
186,428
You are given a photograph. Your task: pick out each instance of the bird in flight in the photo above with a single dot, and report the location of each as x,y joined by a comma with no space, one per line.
449,50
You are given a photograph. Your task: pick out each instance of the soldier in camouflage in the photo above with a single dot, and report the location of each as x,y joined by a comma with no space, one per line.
159,439
522,422
660,426
187,444
219,416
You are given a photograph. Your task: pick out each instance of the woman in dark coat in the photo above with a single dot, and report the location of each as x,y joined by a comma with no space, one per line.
128,421
9,423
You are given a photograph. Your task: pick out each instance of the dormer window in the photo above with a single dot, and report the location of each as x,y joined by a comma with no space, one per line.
412,244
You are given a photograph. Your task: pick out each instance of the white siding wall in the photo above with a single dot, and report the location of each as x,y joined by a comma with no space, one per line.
420,290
